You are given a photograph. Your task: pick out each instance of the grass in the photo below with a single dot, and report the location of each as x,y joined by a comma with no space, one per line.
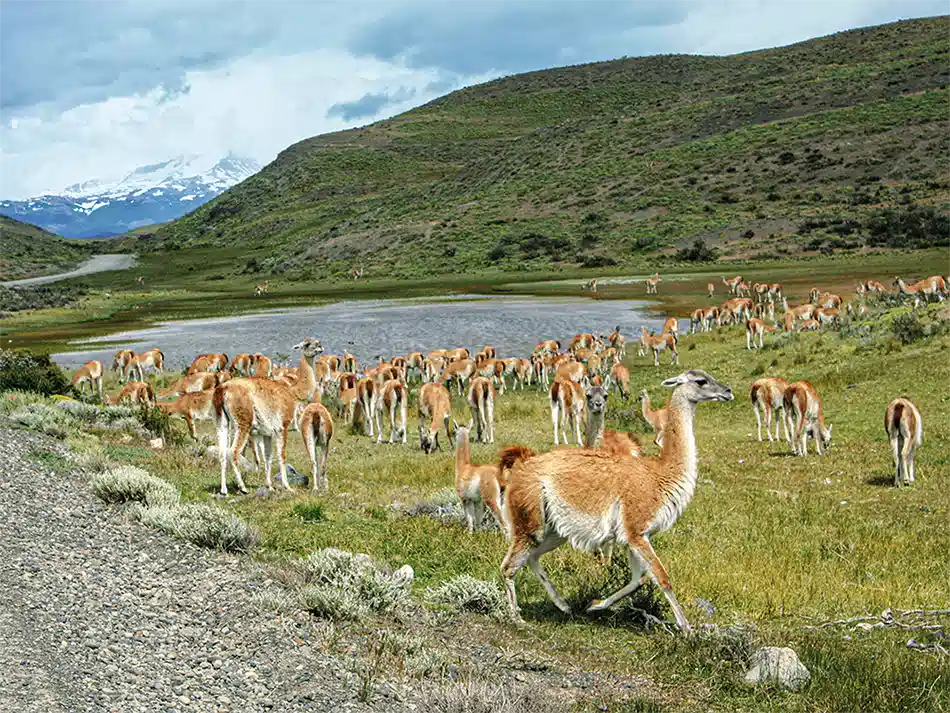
772,541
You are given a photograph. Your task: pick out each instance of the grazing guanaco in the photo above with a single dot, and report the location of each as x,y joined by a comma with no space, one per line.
366,392
347,400
415,361
804,311
570,371
435,410
768,399
740,307
905,430
696,320
828,315
481,401
136,392
711,289
261,289
192,406
652,283
657,418
809,325
590,285
120,363
458,354
477,486
262,366
152,359
192,383
89,373
258,409
935,286
522,371
241,365
316,429
710,316
351,365
567,409
584,340
393,398
552,498
755,330
208,362
657,344
760,291
671,326
459,371
803,407
620,378
548,347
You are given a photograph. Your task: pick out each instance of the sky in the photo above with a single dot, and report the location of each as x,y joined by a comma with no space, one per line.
93,89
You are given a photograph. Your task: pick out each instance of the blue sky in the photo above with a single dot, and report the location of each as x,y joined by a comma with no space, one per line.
95,89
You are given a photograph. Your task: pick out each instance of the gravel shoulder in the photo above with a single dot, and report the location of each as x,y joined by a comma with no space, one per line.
98,613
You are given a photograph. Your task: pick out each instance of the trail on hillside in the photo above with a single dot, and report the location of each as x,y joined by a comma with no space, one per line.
98,263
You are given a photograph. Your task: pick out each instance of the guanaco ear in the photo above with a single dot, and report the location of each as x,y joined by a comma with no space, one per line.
455,425
676,380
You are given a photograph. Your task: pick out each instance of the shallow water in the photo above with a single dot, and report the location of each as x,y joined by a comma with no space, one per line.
513,325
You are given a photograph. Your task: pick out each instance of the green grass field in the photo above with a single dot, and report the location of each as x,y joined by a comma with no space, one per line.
775,542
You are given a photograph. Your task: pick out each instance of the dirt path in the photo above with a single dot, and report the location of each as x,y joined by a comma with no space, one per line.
98,613
99,263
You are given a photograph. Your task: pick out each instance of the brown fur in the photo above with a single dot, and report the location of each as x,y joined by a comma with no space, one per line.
477,486
435,411
657,418
192,406
316,429
768,396
89,373
905,430
201,381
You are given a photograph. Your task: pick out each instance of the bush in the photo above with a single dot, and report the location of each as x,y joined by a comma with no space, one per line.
204,525
45,419
130,484
470,594
917,226
13,400
29,372
22,298
907,328
699,252
344,585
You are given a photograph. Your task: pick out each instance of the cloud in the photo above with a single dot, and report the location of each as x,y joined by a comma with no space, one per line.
93,89
372,104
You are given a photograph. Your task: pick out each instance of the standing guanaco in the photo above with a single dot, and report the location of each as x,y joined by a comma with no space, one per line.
89,373
657,418
481,400
435,411
477,486
803,405
768,399
905,430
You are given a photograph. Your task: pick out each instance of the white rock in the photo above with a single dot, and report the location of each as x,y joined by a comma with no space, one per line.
157,443
773,664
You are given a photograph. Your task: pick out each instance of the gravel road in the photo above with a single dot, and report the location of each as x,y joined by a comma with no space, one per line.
98,263
99,613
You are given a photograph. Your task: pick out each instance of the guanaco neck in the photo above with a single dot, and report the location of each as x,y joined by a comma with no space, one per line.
645,406
678,457
463,456
595,428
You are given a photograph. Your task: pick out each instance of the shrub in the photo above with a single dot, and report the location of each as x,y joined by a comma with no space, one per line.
23,298
130,484
213,527
342,582
80,409
917,226
10,401
470,594
907,328
699,252
45,419
480,697
30,372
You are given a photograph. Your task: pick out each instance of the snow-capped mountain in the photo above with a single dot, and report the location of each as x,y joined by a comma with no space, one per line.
149,194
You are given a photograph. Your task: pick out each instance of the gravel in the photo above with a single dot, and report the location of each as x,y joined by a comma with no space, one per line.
99,613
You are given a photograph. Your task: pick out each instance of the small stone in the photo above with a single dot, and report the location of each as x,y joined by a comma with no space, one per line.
773,664
157,443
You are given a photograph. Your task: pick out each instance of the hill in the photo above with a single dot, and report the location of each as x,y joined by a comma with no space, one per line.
834,143
29,251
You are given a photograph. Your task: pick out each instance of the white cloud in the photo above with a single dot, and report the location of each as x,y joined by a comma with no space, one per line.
128,84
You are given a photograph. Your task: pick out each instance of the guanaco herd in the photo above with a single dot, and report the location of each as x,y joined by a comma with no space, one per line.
602,493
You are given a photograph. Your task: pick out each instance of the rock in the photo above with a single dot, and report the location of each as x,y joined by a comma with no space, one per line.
243,463
157,443
773,664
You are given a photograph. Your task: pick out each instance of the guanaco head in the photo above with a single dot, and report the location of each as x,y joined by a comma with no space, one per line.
597,399
699,386
823,432
461,432
311,347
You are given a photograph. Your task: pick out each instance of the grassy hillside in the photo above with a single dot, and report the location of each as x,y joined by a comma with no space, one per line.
835,143
29,251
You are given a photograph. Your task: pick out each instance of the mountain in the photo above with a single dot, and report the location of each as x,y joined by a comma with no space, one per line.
825,145
148,195
29,251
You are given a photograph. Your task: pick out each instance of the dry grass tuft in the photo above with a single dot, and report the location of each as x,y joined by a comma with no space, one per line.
470,594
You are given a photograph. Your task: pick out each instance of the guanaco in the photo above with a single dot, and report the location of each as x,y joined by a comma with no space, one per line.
316,429
595,410
657,344
261,366
459,371
671,326
803,407
120,363
89,373
618,342
478,486
696,320
905,430
393,398
152,359
435,410
567,409
136,392
711,289
620,379
201,381
258,409
755,330
552,498
732,284
768,399
208,363
192,406
241,365
652,283
657,418
481,401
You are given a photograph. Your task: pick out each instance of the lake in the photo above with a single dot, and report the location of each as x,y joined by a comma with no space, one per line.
366,328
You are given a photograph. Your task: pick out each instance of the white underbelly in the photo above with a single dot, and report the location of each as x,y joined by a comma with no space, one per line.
585,531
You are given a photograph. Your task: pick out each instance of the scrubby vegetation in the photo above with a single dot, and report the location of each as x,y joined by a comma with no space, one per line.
127,484
22,371
17,299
